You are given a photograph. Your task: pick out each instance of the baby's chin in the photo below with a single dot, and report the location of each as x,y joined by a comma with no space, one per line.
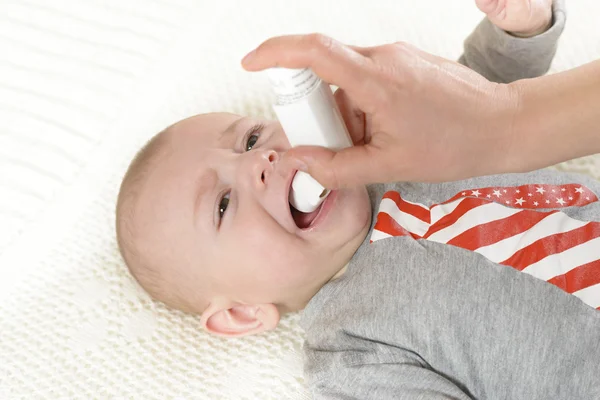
351,218
361,211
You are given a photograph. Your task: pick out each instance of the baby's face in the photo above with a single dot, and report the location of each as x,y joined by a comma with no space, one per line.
215,213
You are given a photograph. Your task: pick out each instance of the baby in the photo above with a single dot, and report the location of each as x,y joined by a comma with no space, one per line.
205,225
422,299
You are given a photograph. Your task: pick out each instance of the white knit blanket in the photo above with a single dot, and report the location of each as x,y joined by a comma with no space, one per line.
83,83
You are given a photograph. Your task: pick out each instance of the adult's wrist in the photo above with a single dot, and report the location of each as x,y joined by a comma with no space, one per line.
505,150
557,117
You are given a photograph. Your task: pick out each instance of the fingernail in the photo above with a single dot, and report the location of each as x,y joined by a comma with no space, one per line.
301,165
248,58
288,164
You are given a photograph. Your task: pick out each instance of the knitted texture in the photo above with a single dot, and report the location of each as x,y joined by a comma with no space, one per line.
83,84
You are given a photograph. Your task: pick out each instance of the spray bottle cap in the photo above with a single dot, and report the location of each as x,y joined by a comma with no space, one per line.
306,194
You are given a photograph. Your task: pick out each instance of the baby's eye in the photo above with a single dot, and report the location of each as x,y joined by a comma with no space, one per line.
223,206
252,136
252,139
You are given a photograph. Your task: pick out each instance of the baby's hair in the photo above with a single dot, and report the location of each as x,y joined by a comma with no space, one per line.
140,266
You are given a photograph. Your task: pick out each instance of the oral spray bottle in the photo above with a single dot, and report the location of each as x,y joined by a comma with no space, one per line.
309,116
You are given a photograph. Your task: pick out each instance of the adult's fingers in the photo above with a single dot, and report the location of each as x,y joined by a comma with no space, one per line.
331,60
349,167
353,117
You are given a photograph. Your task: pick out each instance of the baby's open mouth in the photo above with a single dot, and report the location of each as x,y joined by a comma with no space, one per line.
304,220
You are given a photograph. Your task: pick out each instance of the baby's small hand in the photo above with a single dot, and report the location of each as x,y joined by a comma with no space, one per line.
523,18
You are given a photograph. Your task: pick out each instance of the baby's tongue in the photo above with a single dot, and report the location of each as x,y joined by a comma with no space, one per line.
303,220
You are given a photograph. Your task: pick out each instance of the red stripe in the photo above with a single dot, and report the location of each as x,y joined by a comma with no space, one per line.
552,244
578,199
415,210
495,231
578,278
465,206
387,224
456,197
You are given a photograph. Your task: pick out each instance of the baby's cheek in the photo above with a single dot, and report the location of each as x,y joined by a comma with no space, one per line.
278,258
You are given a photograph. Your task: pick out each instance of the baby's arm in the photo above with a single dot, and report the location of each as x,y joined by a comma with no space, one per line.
502,57
405,380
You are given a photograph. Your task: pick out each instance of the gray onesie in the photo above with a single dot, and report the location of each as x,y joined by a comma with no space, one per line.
479,289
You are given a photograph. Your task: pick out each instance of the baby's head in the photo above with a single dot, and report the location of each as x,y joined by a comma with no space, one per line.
204,224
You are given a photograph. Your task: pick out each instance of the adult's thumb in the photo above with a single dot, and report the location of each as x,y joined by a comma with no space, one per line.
345,168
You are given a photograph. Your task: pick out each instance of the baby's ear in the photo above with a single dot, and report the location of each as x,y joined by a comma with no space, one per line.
240,320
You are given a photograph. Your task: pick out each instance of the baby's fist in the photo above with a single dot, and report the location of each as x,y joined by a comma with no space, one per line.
524,18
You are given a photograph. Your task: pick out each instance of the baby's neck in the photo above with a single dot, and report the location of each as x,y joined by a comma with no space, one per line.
339,273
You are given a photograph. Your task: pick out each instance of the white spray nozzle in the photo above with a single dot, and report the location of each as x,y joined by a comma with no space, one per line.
309,116
306,194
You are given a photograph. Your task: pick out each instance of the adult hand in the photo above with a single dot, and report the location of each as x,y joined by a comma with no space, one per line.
412,115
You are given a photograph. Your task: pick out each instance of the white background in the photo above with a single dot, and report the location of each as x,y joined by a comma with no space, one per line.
83,83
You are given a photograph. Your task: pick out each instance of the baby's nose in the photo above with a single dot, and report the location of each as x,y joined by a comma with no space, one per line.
257,167
272,157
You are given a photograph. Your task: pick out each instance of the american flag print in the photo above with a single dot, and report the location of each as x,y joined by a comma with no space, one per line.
519,226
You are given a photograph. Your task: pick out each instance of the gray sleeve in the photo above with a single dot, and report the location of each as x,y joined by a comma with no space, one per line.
387,381
501,57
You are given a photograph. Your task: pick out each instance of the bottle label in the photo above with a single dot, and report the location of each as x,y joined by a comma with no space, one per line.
296,85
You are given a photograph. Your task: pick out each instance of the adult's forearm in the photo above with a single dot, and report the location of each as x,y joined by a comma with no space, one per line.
558,118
